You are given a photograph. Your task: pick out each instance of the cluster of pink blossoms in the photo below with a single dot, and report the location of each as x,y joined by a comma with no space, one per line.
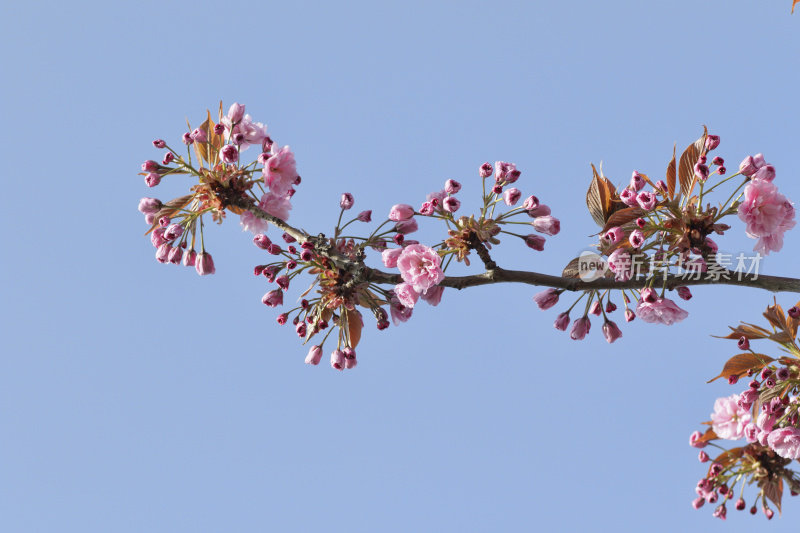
767,213
766,415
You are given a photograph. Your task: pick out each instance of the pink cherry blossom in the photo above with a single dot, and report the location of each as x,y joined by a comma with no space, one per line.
277,205
729,419
646,200
390,255
204,264
785,442
400,313
580,328
433,295
511,196
611,331
314,355
663,311
620,264
767,213
280,171
406,294
420,267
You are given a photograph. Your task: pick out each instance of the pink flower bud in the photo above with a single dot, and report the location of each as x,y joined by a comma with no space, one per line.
611,331
531,202
152,179
547,298
229,153
629,315
794,312
337,360
346,201
164,222
641,223
758,160
168,158
646,200
539,211
398,239
703,457
187,139
189,258
149,219
744,343
595,309
273,298
407,226
262,241
684,293
219,128
766,173
175,255
637,182
614,235
636,238
697,503
150,166
769,513
401,212
427,209
720,512
236,113
547,225
712,141
511,196
274,249
451,204
721,171
497,189
162,253
173,232
149,206
628,197
204,264
611,307
314,355
365,216
748,166
452,186
199,135
701,171
580,328
740,505
282,281
535,242
648,295
661,186
289,239
562,321
486,170
718,161
702,159
159,143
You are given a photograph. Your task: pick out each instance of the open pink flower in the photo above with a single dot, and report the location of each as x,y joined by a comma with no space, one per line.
406,294
620,264
785,442
663,311
767,213
277,205
729,419
280,171
420,267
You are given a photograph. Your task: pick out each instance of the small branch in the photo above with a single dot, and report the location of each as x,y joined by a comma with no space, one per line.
476,244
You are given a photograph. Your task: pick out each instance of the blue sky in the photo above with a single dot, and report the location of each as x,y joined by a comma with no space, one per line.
140,397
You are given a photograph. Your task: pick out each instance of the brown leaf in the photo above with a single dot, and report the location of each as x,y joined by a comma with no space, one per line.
740,364
751,331
708,436
794,2
170,208
354,325
727,457
773,489
599,198
671,175
688,159
571,270
775,315
623,216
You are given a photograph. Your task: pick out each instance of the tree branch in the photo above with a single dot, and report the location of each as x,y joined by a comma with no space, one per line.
495,274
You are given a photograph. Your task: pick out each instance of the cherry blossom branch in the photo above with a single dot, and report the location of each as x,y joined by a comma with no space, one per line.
495,274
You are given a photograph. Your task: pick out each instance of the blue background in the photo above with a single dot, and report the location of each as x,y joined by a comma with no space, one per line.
141,397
